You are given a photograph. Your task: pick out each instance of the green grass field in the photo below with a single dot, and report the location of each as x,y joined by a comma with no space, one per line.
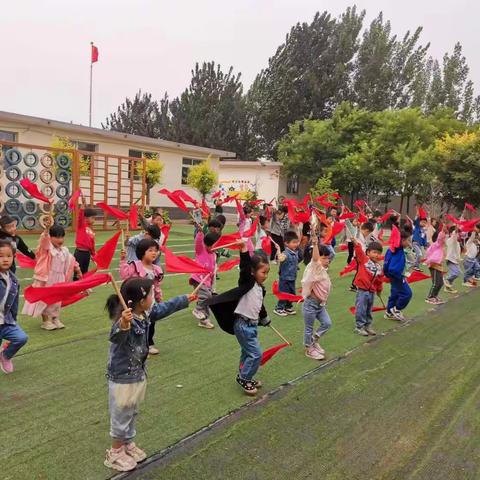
54,418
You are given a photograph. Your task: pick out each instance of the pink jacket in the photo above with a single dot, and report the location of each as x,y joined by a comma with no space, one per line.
435,253
208,260
136,269
43,258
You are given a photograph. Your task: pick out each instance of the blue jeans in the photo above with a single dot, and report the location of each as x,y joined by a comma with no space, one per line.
453,272
313,310
331,257
363,308
417,250
400,294
471,268
251,354
16,336
285,286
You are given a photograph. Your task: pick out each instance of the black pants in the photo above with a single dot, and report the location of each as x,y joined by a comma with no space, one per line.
151,333
83,259
278,239
437,282
351,250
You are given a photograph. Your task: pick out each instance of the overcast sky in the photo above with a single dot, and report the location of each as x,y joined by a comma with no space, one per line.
153,44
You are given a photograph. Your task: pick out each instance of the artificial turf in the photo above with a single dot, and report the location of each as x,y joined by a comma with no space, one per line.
54,407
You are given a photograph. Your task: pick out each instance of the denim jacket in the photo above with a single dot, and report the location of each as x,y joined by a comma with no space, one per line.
10,309
289,267
129,349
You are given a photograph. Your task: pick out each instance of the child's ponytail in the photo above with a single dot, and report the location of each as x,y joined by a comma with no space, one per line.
133,291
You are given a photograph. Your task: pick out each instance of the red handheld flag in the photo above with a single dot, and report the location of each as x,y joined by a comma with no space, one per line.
285,296
61,291
351,267
374,309
94,56
24,261
205,209
74,299
230,198
469,206
267,245
181,264
347,216
422,213
104,256
337,227
414,277
165,229
175,199
360,203
252,230
386,216
227,240
228,265
216,195
343,247
395,238
184,196
268,354
112,211
133,217
33,190
73,199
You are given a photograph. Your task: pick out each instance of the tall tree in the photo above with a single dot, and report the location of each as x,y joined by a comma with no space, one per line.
211,111
141,116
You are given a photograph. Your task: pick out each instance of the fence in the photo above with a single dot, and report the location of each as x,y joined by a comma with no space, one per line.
117,180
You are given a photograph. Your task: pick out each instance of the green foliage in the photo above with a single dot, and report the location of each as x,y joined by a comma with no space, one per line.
202,178
323,185
64,143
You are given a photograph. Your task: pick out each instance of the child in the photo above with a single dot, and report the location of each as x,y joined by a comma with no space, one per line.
279,226
147,252
126,371
394,268
419,240
55,264
368,281
245,223
9,293
207,258
263,227
316,286
239,312
453,258
350,234
85,237
8,232
288,274
471,266
213,226
364,237
151,231
156,219
434,261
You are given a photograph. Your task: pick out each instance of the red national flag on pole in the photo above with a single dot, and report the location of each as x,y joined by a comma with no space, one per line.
228,265
181,264
114,212
33,190
285,296
94,53
103,257
62,291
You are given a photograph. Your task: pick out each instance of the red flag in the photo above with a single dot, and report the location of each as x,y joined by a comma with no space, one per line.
268,354
360,204
33,190
114,212
181,264
395,238
412,278
252,230
422,213
343,247
24,261
74,299
374,309
230,198
335,195
165,229
226,240
380,234
228,265
362,218
240,211
184,196
133,217
386,216
285,296
456,221
326,204
337,227
175,199
205,209
94,54
347,216
216,194
351,267
267,245
61,291
104,256
469,206
73,199
254,203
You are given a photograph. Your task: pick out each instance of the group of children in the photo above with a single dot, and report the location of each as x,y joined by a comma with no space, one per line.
238,311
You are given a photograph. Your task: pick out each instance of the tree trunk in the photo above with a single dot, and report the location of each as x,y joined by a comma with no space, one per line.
401,204
408,204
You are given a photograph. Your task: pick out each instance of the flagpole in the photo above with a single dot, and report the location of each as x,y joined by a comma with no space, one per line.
91,74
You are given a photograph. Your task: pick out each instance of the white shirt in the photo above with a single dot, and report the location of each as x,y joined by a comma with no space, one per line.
6,277
251,303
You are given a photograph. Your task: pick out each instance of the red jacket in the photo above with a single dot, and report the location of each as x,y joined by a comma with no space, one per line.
369,274
85,236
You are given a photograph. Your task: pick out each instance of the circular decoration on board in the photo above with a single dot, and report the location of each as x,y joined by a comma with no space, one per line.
13,174
47,160
46,176
62,220
31,174
30,159
48,191
64,161
15,217
13,206
61,206
30,207
13,190
62,176
45,208
62,191
13,156
29,222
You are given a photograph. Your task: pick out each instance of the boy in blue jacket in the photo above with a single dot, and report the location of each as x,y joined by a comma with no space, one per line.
419,240
394,268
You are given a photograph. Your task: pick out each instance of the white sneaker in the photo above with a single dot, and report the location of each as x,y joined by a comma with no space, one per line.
206,323
117,459
398,314
198,314
317,345
153,350
313,353
48,325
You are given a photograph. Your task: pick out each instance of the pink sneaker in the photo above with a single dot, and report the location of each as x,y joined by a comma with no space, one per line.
117,459
5,364
135,452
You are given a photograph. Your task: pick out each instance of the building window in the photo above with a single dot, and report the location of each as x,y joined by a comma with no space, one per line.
188,163
8,136
85,160
137,175
292,184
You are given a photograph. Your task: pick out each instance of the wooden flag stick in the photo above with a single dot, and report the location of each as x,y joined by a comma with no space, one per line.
224,246
381,299
279,334
117,291
202,281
